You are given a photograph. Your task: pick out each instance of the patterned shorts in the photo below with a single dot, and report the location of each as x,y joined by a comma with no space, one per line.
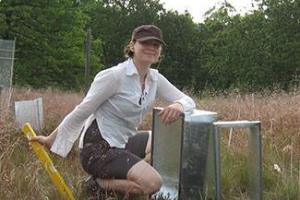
101,160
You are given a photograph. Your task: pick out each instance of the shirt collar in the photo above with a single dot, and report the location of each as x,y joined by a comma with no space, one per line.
131,70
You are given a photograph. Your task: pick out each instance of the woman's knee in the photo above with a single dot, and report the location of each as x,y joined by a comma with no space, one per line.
153,185
146,177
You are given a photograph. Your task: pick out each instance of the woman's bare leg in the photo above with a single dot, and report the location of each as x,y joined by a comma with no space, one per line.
120,185
148,149
142,178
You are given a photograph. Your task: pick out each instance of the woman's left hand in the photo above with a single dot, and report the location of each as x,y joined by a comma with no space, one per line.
171,113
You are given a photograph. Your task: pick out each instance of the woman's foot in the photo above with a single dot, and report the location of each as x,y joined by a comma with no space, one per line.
93,190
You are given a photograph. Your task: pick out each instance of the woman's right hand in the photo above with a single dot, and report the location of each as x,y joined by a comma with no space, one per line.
46,141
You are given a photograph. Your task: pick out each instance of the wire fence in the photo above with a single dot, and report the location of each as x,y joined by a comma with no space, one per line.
7,56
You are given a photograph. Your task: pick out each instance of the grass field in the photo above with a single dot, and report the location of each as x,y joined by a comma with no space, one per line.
22,176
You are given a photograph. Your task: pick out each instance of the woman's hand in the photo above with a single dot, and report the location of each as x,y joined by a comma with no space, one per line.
171,113
46,141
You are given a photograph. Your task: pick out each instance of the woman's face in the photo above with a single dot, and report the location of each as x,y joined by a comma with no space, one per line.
146,52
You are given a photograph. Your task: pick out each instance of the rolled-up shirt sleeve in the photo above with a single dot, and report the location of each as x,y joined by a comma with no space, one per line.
103,87
170,93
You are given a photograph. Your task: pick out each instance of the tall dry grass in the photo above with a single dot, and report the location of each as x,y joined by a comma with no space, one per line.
279,113
19,168
22,177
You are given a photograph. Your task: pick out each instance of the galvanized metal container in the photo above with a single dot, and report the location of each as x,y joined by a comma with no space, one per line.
197,156
182,152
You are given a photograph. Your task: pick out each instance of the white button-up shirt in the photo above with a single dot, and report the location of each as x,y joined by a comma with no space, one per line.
117,102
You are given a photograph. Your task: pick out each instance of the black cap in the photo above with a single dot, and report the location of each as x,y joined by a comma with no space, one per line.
147,32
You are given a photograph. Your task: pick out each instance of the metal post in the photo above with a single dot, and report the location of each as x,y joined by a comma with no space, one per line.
217,163
255,148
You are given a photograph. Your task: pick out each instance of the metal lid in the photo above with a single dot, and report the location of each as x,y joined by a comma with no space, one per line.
201,116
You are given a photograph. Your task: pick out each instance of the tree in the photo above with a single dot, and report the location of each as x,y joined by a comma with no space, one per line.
217,42
49,41
258,50
2,22
180,61
283,18
113,20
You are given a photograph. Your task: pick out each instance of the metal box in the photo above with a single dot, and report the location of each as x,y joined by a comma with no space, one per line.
182,152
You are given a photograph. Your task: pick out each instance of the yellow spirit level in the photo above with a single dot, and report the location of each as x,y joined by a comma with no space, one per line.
43,156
